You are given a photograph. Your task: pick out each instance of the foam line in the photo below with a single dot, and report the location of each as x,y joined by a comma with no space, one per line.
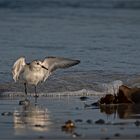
82,92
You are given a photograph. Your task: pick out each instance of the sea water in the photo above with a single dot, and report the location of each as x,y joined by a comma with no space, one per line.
104,36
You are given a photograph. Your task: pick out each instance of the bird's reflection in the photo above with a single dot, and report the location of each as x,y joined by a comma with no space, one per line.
32,116
123,111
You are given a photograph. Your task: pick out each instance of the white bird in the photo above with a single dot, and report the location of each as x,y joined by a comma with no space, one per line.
38,71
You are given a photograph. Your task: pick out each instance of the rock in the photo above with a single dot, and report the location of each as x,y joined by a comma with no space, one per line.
38,125
108,109
69,126
137,123
107,138
7,114
89,121
83,98
124,95
24,102
92,106
41,137
95,104
78,120
100,121
137,135
87,105
77,108
128,95
117,135
108,99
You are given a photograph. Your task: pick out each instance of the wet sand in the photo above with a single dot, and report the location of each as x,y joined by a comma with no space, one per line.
45,119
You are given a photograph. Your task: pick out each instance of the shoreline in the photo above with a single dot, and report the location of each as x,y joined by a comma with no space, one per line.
90,122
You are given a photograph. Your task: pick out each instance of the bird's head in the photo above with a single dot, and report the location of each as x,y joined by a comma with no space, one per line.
36,64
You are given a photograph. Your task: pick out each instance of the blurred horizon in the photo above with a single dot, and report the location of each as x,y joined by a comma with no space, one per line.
19,4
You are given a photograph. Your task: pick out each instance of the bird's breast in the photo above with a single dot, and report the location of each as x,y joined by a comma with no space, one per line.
33,77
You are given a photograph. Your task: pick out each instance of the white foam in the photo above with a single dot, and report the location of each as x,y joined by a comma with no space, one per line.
107,88
82,92
112,87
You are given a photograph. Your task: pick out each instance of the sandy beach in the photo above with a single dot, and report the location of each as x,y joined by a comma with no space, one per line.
45,119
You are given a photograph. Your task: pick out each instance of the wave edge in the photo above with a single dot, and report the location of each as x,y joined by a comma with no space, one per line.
82,92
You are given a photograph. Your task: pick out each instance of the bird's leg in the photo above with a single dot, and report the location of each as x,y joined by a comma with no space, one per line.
36,92
25,88
23,102
36,96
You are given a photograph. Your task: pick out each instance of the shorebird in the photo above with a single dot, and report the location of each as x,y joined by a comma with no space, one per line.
38,71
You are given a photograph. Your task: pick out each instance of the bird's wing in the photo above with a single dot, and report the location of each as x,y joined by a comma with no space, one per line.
18,68
53,63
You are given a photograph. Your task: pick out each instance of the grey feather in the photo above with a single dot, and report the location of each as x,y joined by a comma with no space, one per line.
53,63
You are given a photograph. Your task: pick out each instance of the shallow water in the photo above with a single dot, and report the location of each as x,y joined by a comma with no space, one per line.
45,119
106,40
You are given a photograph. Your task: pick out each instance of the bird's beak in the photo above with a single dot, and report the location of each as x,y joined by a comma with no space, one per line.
44,67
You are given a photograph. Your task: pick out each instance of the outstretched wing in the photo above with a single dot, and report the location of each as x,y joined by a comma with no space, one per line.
18,68
53,63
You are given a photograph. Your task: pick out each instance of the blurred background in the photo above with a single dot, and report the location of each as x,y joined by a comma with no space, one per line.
103,34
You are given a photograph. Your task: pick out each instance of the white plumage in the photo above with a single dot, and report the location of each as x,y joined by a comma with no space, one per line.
38,71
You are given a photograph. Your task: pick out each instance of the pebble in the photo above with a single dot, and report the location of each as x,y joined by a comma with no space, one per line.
137,123
107,138
37,125
74,135
69,125
117,135
137,135
24,102
95,104
86,105
100,121
83,98
89,121
77,108
7,114
78,120
41,137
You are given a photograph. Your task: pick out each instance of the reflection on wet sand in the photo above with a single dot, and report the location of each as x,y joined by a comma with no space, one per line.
123,111
31,116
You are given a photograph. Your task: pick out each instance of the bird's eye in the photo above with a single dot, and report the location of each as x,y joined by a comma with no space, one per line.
37,63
